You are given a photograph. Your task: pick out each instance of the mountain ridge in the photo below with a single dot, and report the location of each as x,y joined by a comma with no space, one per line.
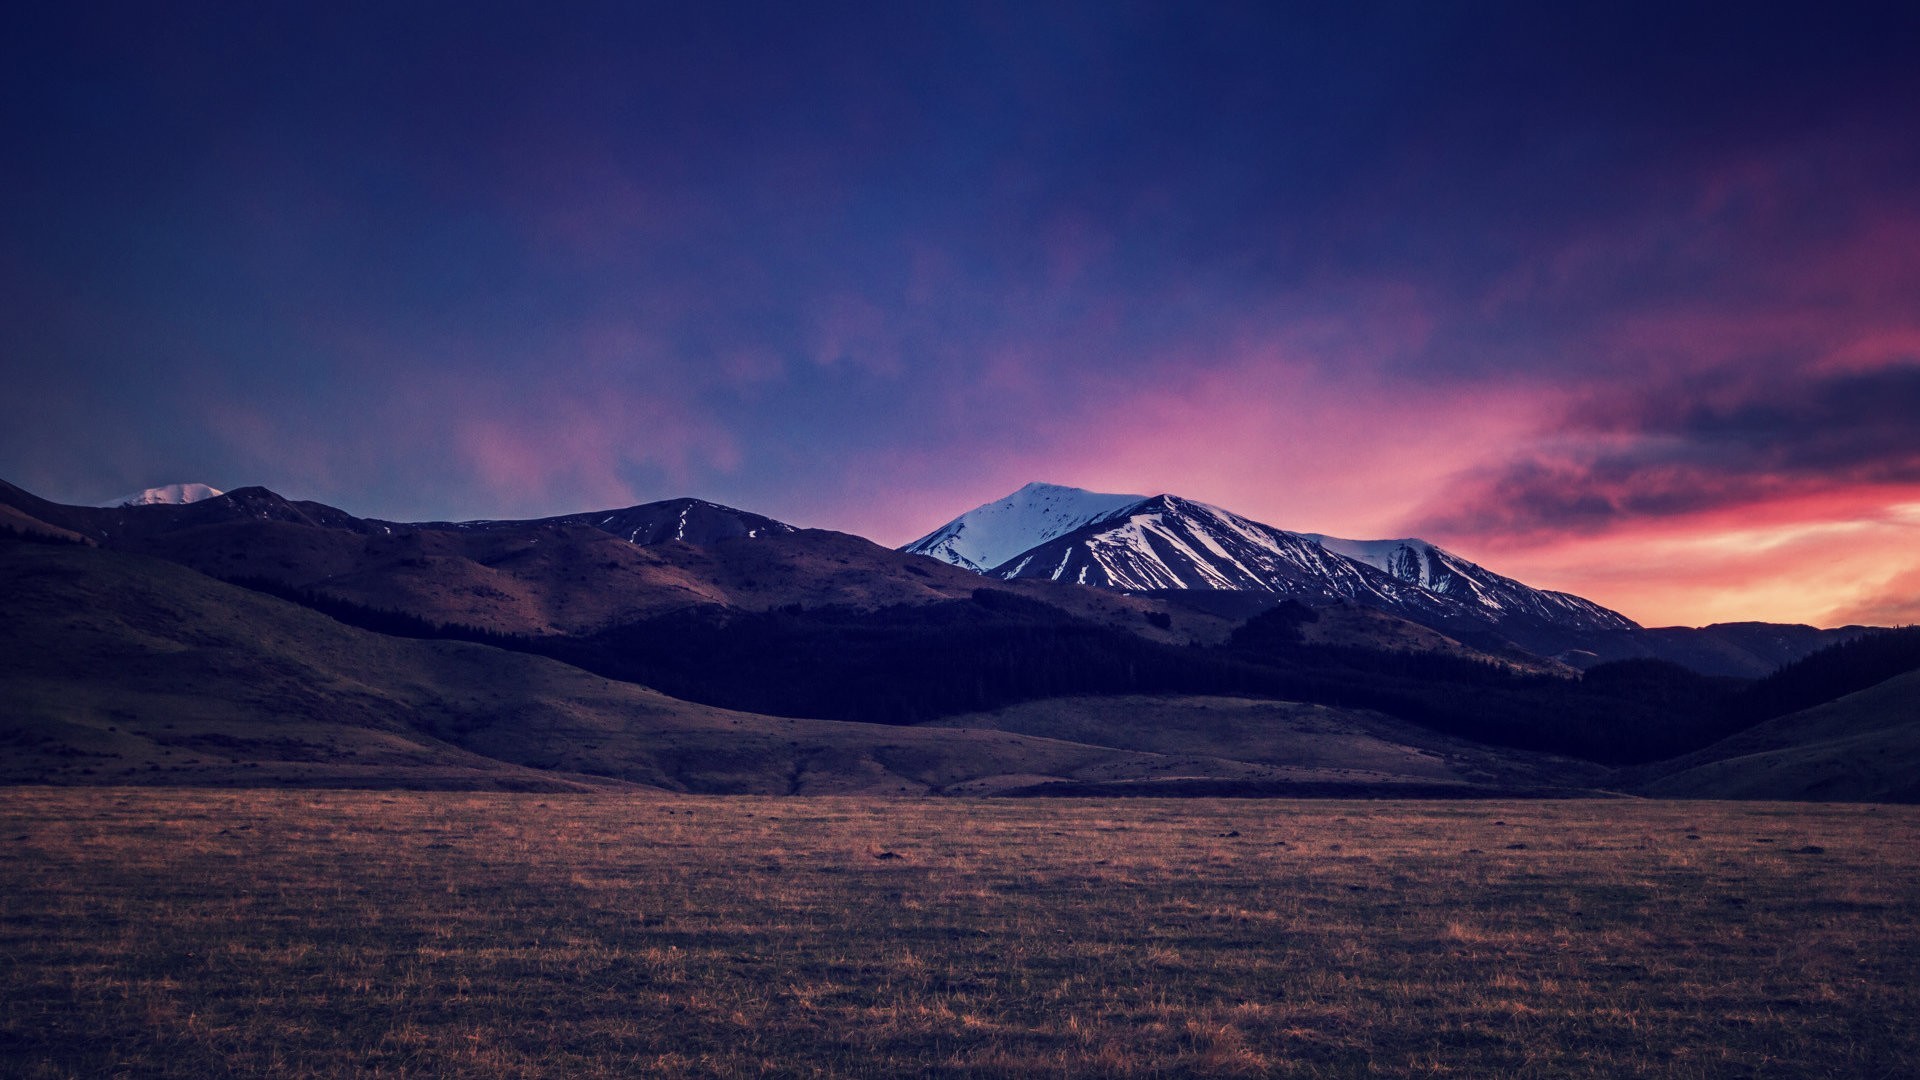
582,572
1167,542
168,495
992,533
757,626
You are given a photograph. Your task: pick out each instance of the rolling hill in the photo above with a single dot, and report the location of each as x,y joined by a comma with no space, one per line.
117,668
690,646
569,575
1312,743
1861,747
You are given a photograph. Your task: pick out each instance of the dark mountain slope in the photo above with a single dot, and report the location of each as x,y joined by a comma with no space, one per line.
690,521
1862,747
576,574
1741,650
1835,671
121,669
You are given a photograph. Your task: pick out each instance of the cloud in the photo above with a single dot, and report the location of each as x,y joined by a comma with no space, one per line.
1894,602
1702,446
1257,414
1734,568
603,416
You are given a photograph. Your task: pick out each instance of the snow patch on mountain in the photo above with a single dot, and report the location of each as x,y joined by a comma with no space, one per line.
691,521
1440,571
989,535
167,495
1167,542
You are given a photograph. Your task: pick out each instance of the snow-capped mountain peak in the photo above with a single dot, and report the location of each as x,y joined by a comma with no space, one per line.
167,495
1167,542
988,535
1164,542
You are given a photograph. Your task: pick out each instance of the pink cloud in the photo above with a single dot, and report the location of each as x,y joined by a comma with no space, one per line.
472,434
1825,561
1893,602
1290,422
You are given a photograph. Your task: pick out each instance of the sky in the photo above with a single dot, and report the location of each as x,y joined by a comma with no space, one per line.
1618,299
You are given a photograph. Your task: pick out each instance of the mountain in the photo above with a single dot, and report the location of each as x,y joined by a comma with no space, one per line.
582,574
1167,543
613,648
168,495
1440,571
689,521
575,574
1206,562
989,535
138,522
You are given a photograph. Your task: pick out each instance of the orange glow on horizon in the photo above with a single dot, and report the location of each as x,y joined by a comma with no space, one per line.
1782,562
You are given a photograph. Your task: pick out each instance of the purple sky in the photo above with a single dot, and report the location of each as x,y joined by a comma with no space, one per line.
1624,300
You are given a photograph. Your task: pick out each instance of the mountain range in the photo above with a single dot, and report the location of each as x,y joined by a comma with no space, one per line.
1145,544
1199,557
1143,642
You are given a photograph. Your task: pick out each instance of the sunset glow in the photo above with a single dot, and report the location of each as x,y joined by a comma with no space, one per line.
1623,302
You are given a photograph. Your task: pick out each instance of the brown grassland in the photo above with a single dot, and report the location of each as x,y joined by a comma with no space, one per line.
210,933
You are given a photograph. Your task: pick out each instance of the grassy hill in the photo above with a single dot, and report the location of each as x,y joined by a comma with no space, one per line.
553,653
1862,747
117,668
1313,743
553,576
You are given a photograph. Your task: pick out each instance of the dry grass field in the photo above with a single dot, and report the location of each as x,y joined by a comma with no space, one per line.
213,933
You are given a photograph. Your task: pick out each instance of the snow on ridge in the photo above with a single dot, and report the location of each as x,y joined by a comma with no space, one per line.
167,495
1136,543
1434,568
1375,553
992,533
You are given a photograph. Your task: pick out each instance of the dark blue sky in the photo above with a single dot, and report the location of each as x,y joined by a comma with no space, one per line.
1599,296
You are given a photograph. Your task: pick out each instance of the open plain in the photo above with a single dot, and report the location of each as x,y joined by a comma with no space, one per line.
208,933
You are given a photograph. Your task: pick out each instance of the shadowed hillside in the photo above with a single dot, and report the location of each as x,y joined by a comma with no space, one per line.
573,575
685,665
115,668
1862,747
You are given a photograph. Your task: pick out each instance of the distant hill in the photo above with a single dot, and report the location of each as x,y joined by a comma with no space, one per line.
121,669
1857,663
574,574
1314,743
676,644
1745,650
1862,747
